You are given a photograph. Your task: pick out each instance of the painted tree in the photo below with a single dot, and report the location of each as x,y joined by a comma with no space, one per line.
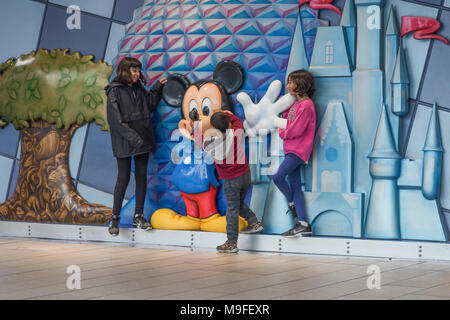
47,95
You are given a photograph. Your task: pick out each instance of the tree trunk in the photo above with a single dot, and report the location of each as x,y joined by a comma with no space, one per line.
44,190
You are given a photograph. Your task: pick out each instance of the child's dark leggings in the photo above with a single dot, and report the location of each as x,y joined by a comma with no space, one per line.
291,168
123,178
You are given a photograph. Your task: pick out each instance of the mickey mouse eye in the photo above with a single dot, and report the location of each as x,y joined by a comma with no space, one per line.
206,106
192,105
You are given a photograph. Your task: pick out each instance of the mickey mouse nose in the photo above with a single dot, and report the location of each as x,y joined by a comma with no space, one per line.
193,115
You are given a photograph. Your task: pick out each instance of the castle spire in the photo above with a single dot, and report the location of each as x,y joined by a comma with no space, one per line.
348,17
433,140
298,58
432,158
400,84
392,28
400,74
391,43
348,23
384,146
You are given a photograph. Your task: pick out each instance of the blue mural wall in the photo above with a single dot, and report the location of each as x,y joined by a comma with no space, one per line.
112,28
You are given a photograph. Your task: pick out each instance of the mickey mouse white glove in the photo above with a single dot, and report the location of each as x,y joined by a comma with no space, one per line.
262,117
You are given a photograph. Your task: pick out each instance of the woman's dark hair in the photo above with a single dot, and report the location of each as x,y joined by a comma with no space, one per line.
220,121
123,70
303,81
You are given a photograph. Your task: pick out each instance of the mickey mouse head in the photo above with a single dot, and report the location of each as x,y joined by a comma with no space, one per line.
200,100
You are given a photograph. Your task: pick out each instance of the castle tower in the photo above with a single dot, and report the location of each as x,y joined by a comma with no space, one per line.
332,154
348,22
383,212
400,84
367,87
298,58
432,158
391,41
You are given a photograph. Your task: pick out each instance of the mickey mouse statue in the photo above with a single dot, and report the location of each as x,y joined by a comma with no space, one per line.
196,178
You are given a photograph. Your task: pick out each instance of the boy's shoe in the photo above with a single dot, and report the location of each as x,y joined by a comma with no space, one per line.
140,222
253,228
114,226
301,229
228,247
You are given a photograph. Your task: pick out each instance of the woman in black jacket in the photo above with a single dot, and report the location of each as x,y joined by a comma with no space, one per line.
129,110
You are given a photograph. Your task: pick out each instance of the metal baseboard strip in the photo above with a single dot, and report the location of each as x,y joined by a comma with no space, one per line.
264,243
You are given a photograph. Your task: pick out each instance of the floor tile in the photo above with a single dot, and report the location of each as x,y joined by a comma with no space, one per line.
384,293
440,291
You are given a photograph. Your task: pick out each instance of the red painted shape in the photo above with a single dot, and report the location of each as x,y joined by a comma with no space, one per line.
152,59
230,12
153,41
141,26
201,205
171,11
207,12
174,59
211,28
188,11
157,76
196,40
424,28
154,26
218,40
156,12
200,59
173,41
188,28
138,41
320,4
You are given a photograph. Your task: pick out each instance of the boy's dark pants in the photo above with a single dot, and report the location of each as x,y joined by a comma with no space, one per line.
235,191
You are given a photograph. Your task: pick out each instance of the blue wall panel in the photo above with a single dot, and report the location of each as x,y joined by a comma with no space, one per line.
102,8
90,39
437,76
20,22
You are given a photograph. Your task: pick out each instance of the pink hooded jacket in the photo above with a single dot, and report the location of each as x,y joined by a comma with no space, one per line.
298,137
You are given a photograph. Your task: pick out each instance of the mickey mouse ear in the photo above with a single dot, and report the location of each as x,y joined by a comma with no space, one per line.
174,89
230,75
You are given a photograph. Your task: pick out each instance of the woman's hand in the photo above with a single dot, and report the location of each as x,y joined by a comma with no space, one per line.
163,80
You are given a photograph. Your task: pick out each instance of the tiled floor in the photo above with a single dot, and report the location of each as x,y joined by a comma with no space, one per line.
37,270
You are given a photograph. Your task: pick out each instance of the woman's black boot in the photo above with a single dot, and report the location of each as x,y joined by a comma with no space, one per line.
114,226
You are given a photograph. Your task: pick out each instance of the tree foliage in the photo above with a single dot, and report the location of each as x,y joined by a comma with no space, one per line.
54,86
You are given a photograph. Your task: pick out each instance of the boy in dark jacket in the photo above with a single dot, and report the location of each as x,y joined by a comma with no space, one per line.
129,109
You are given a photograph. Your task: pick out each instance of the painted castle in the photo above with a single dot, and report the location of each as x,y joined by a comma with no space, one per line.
357,183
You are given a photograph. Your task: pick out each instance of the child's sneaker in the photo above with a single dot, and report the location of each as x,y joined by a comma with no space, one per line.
301,229
140,222
228,247
253,228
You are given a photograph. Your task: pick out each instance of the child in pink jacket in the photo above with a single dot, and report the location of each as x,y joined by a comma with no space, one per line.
298,140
